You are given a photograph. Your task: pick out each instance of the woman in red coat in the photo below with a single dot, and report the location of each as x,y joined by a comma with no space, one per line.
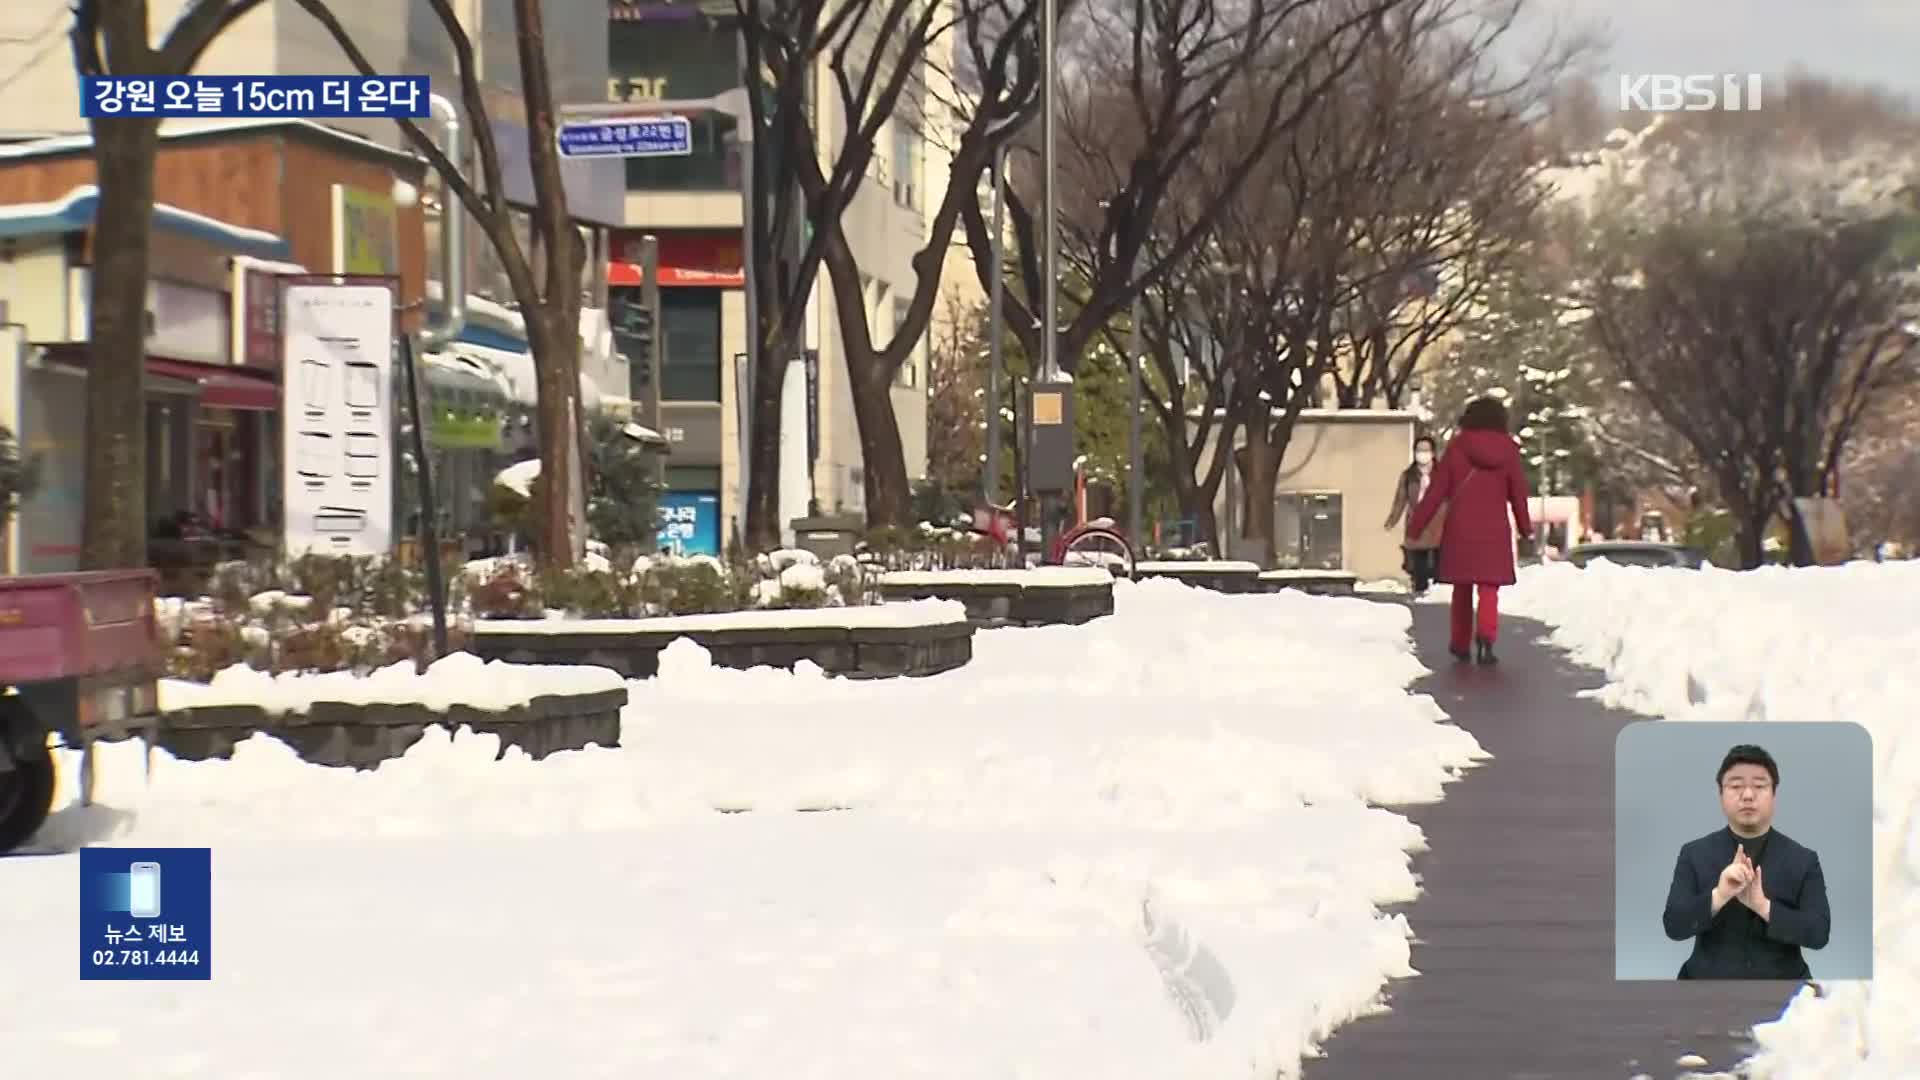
1478,480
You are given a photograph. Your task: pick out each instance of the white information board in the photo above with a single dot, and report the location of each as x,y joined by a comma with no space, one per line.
337,467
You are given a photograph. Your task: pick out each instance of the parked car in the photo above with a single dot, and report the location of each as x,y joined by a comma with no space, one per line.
1639,553
80,657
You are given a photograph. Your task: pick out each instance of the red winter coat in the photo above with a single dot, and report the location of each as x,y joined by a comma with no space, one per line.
1482,475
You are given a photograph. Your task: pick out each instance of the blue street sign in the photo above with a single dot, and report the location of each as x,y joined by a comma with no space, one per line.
654,136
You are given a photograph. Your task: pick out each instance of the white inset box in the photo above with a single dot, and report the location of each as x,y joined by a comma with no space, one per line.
363,455
363,385
314,454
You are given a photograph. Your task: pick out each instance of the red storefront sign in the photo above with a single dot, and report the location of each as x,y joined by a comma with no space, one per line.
709,259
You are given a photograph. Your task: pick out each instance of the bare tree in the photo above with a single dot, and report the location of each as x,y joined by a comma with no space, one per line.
1184,391
1762,342
884,61
546,280
1147,86
1371,234
956,399
1455,198
112,37
1882,471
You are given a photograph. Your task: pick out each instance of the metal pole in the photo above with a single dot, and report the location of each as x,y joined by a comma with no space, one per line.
429,527
1049,301
1021,455
990,487
650,300
1136,512
749,247
1225,527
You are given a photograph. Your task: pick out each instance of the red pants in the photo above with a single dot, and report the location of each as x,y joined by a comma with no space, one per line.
1464,628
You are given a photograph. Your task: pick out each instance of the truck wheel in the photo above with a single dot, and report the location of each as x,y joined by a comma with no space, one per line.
26,797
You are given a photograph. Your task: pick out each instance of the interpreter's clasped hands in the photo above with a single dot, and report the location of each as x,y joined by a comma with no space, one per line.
1741,880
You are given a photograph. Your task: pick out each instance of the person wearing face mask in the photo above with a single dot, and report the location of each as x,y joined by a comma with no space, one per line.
1422,553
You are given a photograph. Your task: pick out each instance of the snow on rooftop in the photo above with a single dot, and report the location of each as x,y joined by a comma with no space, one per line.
1034,850
66,203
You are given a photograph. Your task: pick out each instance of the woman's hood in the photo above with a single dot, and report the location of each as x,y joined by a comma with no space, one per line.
1488,449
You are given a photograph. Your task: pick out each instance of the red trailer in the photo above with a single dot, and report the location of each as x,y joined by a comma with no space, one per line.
80,657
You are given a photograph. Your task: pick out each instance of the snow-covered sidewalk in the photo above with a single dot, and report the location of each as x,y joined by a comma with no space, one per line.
978,907
1826,644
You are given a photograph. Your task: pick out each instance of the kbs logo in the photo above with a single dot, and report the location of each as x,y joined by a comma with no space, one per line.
1689,93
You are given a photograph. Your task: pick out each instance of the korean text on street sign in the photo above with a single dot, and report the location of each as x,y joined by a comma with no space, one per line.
655,136
282,97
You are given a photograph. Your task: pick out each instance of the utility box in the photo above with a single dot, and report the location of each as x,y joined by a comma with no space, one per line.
1050,417
827,536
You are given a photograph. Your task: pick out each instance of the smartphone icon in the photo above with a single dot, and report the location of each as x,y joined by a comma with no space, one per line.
143,890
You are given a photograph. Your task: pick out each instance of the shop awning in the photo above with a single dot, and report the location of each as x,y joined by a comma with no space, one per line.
222,387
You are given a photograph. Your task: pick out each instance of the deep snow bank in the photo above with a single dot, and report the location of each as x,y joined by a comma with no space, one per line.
1839,643
1039,858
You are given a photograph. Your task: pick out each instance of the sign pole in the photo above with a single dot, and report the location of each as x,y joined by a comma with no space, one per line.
423,475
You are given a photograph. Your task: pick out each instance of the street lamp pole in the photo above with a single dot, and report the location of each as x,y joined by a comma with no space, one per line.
990,485
1136,486
1049,302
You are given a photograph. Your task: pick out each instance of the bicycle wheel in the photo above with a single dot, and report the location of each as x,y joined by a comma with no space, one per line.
1104,548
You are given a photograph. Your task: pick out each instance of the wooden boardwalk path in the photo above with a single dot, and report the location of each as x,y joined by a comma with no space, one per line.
1515,925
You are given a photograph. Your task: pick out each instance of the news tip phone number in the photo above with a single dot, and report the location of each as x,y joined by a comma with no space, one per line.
239,96
146,957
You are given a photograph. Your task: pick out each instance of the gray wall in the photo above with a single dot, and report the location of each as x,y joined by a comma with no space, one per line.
1665,796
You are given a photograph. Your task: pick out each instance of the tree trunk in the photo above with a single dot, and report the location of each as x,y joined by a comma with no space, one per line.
1799,534
1750,531
1259,465
559,425
889,494
1193,493
113,531
763,524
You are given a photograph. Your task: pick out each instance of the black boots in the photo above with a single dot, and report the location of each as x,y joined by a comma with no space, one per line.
1481,653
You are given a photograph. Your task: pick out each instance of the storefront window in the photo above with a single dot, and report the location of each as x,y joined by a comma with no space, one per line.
690,339
708,168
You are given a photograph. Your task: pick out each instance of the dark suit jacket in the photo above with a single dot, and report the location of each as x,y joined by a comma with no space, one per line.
1736,943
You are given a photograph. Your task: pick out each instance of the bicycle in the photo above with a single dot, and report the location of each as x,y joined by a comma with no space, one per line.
1096,542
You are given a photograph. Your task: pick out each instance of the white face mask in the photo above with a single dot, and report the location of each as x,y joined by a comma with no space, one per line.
1423,457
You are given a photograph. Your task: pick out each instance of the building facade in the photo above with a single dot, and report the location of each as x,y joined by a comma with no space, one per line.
1336,486
325,196
233,210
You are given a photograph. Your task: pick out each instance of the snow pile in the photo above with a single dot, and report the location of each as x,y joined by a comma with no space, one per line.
1199,566
519,477
1832,644
1040,577
1140,848
458,679
908,614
